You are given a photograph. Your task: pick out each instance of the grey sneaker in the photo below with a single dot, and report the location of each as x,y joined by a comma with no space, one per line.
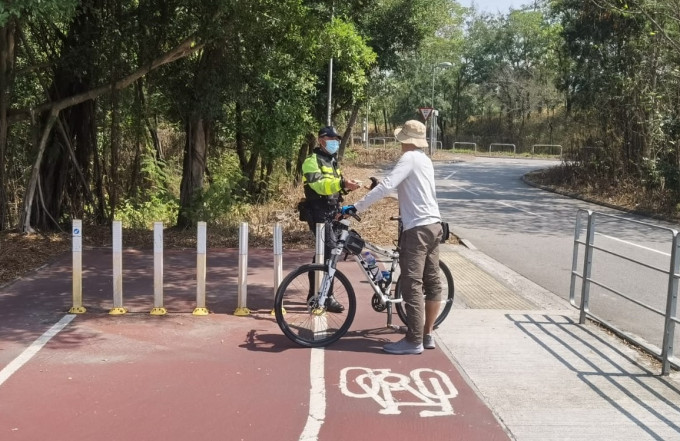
428,341
403,347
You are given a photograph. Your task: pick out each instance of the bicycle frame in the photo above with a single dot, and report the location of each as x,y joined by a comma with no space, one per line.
381,291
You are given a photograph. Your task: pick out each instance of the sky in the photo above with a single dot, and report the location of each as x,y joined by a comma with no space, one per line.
493,6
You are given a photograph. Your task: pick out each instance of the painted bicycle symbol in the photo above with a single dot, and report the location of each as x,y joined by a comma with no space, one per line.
429,387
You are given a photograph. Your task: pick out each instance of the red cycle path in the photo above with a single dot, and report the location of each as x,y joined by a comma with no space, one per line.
216,377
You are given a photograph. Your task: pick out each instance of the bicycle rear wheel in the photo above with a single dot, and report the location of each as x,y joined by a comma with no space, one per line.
303,324
448,292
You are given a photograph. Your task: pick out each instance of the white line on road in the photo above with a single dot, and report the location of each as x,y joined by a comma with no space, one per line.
33,349
519,209
317,397
633,244
449,176
464,189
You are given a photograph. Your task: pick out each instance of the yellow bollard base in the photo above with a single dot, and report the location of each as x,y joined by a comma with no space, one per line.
283,310
77,310
242,311
118,311
200,311
158,311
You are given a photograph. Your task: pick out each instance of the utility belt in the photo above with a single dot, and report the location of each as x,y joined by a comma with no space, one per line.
321,208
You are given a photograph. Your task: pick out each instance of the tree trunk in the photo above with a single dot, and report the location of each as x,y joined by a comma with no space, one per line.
305,150
348,131
115,154
456,129
193,169
6,75
387,130
240,144
27,212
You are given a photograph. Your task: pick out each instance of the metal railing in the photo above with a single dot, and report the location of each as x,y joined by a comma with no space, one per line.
550,146
384,139
587,280
496,144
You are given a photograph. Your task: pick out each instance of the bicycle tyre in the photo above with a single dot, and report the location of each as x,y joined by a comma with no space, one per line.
303,325
447,284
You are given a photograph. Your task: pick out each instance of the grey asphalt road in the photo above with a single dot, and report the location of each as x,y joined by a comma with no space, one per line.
531,231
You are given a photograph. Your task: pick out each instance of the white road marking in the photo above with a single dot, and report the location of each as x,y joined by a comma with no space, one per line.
633,244
317,397
449,176
33,349
519,209
429,388
464,189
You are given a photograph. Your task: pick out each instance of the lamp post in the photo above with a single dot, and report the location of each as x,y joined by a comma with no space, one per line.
433,126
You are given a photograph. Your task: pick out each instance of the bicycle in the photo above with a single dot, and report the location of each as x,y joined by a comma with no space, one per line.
300,299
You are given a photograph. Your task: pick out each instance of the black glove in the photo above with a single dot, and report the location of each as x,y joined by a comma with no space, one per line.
374,182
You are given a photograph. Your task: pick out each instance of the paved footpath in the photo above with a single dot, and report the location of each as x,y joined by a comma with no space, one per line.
511,363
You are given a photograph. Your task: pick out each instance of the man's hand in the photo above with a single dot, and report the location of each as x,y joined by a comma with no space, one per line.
374,183
351,184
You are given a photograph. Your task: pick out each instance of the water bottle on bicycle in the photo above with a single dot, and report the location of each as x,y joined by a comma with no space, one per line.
372,266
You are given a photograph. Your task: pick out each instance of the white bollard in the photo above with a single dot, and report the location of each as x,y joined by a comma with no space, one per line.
200,269
278,258
117,246
77,242
241,308
319,258
319,324
158,308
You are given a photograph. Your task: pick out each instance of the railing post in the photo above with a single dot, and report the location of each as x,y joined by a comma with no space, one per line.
201,250
158,308
117,256
77,243
587,268
241,308
671,308
574,260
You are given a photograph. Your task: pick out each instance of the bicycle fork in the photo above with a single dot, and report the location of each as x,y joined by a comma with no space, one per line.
327,280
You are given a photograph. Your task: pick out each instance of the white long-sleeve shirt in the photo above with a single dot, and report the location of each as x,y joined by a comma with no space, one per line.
413,177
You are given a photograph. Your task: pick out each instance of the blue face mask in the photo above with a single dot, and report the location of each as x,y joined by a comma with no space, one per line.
332,146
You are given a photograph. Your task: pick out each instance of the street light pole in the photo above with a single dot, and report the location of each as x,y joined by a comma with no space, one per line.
433,124
330,79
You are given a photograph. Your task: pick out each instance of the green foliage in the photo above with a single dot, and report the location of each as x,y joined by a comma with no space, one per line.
660,174
156,202
225,194
352,58
157,207
52,10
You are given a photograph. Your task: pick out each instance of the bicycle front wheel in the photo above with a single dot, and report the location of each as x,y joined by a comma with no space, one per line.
296,314
448,291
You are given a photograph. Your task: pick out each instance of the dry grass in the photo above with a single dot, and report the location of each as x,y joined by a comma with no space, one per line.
624,193
21,254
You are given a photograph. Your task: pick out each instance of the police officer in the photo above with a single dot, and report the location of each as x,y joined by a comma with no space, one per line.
324,186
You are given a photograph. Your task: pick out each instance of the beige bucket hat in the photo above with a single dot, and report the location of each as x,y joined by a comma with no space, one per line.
413,132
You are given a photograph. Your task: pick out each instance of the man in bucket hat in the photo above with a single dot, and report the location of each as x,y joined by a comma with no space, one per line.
413,177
